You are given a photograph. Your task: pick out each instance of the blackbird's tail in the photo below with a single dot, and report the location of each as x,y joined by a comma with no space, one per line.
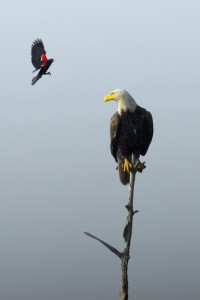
36,78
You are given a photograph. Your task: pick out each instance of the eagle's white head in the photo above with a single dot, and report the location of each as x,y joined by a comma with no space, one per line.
124,100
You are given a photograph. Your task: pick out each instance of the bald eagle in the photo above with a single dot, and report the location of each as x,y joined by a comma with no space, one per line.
131,131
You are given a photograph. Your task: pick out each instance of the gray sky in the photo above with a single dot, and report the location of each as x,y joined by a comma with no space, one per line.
57,175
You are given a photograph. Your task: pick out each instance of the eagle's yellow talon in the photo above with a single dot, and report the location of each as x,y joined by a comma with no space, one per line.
127,165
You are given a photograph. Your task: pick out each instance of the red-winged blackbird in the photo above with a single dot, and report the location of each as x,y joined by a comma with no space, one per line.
39,60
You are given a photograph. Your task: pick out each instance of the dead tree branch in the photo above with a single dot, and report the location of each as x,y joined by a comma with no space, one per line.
111,248
127,234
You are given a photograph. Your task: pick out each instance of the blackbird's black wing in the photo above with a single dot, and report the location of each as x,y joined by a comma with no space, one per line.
37,50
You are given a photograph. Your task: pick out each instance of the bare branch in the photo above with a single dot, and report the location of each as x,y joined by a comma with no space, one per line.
111,248
127,234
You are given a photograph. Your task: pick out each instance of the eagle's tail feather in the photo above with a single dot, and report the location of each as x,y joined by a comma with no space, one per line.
123,176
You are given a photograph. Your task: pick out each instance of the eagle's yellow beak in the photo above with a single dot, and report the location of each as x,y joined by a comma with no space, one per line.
109,97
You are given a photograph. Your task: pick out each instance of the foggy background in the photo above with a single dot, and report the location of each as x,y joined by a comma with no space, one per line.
57,176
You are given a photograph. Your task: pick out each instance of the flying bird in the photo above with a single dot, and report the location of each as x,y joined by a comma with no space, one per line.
131,131
39,60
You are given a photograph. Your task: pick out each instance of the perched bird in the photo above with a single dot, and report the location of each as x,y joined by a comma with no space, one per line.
131,131
39,60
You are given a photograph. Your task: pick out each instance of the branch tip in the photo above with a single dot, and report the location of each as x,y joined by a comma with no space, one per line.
111,248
